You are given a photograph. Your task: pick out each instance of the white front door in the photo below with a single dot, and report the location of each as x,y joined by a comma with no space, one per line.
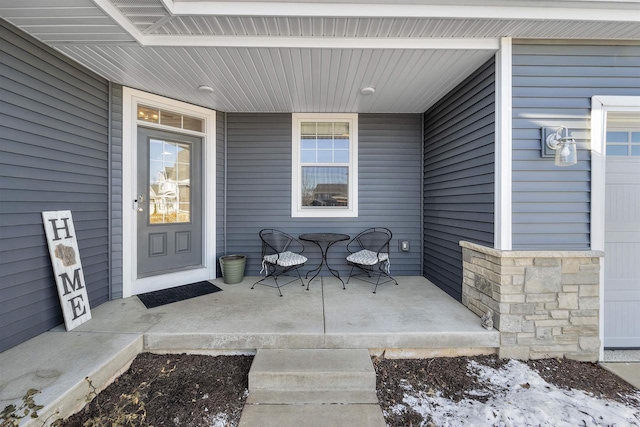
622,232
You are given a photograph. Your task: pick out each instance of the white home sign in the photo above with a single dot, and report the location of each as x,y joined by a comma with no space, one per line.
65,258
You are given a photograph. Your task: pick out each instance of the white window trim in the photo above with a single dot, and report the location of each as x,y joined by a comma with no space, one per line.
600,105
296,200
131,285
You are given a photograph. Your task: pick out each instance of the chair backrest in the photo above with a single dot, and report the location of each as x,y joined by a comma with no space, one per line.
274,241
374,239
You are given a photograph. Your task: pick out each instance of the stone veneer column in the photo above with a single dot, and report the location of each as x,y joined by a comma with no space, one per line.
545,303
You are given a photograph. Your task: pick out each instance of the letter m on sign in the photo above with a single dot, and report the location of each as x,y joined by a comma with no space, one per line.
67,268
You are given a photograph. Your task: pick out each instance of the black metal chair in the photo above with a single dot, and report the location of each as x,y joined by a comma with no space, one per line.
281,253
368,250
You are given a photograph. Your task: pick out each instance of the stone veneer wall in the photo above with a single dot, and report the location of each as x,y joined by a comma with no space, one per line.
545,303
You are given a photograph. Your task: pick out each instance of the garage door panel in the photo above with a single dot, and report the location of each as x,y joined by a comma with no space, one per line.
622,262
628,292
622,253
618,331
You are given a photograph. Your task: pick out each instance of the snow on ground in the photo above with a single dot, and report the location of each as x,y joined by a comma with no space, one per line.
219,420
517,396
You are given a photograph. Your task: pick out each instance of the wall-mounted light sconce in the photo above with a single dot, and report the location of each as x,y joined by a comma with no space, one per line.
560,141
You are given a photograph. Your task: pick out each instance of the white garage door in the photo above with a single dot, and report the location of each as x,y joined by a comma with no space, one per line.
622,233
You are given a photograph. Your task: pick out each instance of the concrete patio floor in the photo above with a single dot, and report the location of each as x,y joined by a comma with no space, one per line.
415,314
414,319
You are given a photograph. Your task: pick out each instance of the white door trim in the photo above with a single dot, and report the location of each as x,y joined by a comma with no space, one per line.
600,105
131,285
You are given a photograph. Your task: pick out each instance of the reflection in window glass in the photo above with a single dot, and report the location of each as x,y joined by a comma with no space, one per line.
617,150
635,150
148,114
192,123
309,156
325,186
168,118
308,128
617,136
324,142
169,182
635,136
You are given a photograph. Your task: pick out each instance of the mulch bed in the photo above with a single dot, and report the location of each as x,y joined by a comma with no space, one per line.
172,390
192,390
448,376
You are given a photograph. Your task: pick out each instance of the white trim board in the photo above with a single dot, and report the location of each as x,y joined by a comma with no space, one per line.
131,285
560,11
600,106
502,224
321,42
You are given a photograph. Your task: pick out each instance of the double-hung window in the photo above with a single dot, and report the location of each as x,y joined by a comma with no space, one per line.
325,165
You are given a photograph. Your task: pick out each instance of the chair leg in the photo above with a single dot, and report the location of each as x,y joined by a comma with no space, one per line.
299,276
350,273
272,272
370,273
275,278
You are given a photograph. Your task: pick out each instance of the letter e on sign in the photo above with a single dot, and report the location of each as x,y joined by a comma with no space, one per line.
67,268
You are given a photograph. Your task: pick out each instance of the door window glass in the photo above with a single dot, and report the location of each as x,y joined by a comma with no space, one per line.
169,182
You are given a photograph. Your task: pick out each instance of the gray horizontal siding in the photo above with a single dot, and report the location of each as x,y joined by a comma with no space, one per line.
54,156
116,191
458,189
220,188
259,186
553,86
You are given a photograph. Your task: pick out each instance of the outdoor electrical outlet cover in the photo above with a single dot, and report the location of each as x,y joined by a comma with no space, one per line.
404,246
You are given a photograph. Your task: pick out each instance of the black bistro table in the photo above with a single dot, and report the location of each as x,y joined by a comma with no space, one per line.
324,242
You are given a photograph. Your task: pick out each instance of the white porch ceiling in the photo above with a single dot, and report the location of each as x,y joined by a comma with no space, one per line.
288,80
306,55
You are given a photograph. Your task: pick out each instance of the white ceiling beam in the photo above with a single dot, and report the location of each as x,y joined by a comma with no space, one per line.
588,12
107,7
320,42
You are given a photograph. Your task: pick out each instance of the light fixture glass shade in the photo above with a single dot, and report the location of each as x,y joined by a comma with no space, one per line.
566,152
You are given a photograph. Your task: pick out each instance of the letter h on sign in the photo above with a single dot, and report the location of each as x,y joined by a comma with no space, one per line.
67,268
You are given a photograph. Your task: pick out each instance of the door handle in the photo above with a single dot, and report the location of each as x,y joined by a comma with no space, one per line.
138,202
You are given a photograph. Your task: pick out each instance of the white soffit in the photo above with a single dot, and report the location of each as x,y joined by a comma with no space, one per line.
67,21
287,80
305,56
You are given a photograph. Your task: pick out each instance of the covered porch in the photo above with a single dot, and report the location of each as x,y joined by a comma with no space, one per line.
413,319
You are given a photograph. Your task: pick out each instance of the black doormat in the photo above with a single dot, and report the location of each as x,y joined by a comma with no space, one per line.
179,293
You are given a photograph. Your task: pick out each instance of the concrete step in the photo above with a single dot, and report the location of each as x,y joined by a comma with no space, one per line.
312,370
312,416
301,397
